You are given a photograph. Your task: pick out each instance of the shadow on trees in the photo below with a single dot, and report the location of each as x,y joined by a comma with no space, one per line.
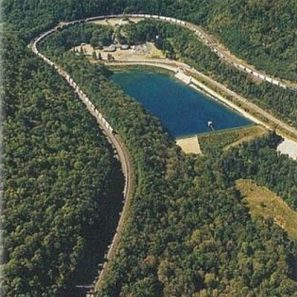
98,236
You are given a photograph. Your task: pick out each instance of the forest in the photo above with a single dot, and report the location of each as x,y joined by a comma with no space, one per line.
260,32
59,174
179,43
259,160
192,232
189,233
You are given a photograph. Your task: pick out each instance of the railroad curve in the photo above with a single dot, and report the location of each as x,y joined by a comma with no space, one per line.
204,37
115,139
117,143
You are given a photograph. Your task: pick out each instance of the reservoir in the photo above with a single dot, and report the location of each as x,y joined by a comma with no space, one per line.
182,110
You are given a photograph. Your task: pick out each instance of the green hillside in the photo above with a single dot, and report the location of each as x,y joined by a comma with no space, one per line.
59,180
259,31
190,232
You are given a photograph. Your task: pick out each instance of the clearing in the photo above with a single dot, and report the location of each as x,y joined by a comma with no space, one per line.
288,147
189,145
146,51
263,203
113,22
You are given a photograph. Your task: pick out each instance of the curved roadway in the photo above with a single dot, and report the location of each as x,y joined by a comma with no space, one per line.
115,139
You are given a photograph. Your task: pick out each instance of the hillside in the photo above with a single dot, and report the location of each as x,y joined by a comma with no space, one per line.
264,204
258,31
189,232
57,197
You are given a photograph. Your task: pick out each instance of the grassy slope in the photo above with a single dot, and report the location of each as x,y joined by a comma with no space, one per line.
265,204
223,140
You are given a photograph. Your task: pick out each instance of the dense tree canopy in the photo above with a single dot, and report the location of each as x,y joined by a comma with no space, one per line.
261,162
259,31
58,171
189,232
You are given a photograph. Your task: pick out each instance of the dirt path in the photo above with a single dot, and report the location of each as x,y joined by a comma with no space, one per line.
258,131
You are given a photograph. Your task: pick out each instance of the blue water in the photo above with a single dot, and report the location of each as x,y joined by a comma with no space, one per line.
182,110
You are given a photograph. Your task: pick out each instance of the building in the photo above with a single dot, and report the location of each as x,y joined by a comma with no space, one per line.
109,49
125,46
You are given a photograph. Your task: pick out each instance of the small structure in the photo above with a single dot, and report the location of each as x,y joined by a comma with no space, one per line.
125,46
183,77
110,49
210,125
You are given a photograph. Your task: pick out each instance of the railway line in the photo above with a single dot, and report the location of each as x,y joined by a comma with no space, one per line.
117,143
107,129
203,36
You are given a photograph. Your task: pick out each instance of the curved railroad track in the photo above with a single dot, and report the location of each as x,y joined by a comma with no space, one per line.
219,49
114,138
117,143
239,103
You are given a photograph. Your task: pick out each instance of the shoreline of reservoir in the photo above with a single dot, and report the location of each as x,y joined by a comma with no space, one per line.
248,109
197,86
182,110
191,82
186,142
185,110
